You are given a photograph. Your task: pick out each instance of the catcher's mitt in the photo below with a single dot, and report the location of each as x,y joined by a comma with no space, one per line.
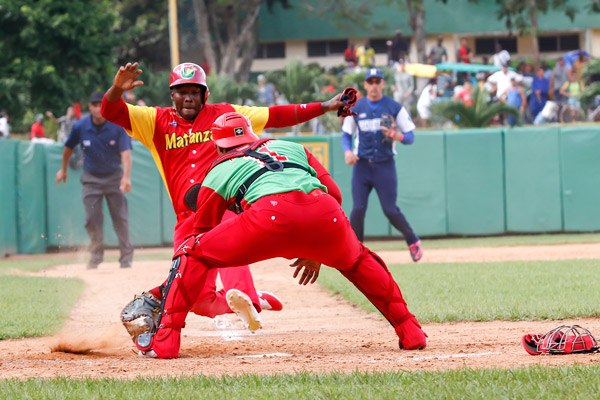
141,315
565,339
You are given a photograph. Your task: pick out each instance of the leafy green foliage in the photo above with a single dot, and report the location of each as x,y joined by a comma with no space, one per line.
535,382
515,290
36,306
224,89
298,82
478,115
591,75
517,13
53,52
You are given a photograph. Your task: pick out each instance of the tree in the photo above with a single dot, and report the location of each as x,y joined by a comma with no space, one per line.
416,19
53,52
478,115
225,33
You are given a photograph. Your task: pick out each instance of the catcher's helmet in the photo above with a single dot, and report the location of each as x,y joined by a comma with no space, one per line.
189,74
232,129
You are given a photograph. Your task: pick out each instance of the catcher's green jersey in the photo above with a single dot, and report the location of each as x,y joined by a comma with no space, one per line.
221,184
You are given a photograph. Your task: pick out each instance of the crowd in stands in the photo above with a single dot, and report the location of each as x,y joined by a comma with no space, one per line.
515,83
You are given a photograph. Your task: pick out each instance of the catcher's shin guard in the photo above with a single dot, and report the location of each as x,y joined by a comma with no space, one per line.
177,301
371,276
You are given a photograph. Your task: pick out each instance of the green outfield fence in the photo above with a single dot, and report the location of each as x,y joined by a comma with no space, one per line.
456,182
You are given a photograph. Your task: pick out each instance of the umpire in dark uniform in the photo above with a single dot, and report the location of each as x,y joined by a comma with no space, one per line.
105,147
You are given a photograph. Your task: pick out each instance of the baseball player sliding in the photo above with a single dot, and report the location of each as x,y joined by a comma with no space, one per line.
179,139
288,206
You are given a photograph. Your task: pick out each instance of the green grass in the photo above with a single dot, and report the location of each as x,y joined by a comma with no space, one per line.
35,306
493,241
35,265
515,290
523,383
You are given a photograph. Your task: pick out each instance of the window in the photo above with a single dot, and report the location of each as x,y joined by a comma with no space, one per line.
549,44
488,45
322,48
271,50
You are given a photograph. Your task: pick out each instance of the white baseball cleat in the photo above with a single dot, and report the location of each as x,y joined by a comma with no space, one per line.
268,301
148,354
241,304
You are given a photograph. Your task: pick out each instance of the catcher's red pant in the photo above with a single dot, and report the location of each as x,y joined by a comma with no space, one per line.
211,302
287,225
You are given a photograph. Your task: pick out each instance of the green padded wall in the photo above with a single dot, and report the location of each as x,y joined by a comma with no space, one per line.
580,158
8,200
422,183
168,215
532,168
66,214
475,181
31,198
376,224
145,221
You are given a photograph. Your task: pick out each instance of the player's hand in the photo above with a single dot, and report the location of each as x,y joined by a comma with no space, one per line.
126,78
61,176
334,104
350,157
125,185
311,270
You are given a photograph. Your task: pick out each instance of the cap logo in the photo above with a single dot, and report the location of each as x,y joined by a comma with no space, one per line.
188,71
238,131
373,71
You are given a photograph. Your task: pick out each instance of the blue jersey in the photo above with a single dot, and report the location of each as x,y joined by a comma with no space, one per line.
369,140
101,147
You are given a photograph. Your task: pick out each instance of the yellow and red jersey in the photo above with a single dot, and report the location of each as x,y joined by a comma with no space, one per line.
182,150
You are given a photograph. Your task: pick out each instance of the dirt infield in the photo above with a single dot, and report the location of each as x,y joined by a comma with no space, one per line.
315,332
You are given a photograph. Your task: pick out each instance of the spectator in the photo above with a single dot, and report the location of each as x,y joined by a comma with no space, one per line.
4,127
515,97
464,53
438,53
106,147
366,55
501,82
65,123
350,56
539,88
547,71
129,97
572,89
428,95
37,129
379,122
578,65
464,94
404,86
399,48
501,56
267,94
558,78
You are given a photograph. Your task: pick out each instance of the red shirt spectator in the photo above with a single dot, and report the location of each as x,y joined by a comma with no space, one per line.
464,53
37,129
350,56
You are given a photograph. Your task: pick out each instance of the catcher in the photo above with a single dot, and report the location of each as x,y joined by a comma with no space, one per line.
179,140
288,206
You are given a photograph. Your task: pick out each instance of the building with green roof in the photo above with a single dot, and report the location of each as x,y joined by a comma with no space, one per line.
305,32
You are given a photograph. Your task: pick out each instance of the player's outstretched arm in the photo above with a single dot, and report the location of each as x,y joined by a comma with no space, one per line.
125,79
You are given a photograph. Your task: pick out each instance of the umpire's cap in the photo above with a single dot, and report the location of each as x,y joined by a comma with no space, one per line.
231,130
96,97
373,73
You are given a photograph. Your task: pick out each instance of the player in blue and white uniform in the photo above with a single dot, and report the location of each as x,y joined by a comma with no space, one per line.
379,123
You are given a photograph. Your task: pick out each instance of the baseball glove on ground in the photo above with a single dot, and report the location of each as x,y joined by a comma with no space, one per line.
141,315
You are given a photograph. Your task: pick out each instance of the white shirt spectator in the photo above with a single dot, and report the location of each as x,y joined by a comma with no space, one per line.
428,94
502,81
501,58
4,126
